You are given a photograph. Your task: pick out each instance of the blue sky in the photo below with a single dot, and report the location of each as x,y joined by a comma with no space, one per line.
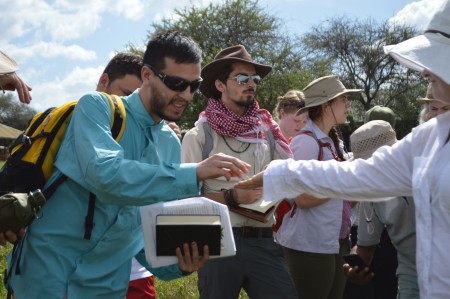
62,46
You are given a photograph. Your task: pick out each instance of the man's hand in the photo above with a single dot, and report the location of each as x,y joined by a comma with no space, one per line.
13,82
358,276
188,263
10,236
221,165
254,182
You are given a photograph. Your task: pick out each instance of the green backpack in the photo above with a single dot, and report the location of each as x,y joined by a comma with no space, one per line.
30,165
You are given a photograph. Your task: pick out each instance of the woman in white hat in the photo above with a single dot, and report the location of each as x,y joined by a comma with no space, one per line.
417,165
314,234
10,81
431,106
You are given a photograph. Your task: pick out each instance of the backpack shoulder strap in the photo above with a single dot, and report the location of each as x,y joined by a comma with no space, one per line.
207,147
271,141
321,145
118,115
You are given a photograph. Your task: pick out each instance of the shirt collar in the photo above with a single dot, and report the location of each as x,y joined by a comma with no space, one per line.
311,126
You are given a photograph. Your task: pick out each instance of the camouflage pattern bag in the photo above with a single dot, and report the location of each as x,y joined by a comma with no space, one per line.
18,210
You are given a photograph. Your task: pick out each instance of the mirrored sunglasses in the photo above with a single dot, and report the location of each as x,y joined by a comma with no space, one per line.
242,79
176,83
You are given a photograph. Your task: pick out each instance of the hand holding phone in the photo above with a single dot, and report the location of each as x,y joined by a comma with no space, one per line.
354,260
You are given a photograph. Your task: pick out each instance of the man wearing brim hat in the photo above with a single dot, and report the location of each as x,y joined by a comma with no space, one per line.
9,79
395,215
235,125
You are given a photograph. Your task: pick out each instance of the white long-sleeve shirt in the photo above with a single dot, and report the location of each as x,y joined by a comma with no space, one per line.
418,166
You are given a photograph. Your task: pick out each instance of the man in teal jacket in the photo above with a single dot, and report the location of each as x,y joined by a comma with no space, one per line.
143,168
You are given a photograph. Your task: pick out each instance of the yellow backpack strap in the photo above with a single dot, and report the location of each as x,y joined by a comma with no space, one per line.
118,115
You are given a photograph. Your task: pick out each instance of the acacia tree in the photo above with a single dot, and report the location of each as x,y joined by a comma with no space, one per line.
356,48
245,22
13,113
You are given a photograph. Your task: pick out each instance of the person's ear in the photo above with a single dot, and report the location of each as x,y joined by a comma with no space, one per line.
220,86
103,82
146,73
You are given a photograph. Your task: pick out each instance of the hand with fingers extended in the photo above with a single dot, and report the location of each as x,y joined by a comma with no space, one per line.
221,165
254,182
191,262
13,82
11,236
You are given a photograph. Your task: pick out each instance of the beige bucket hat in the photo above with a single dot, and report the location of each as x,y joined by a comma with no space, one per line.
369,137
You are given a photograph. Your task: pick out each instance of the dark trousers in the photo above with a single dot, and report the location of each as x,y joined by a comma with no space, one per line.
384,265
258,267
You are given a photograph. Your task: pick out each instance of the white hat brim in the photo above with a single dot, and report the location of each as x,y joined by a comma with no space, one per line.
7,64
428,51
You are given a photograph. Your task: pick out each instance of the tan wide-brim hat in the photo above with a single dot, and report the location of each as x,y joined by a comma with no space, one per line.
428,97
430,50
7,64
323,90
224,58
369,137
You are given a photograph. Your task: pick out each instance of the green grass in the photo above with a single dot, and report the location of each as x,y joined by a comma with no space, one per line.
185,288
3,252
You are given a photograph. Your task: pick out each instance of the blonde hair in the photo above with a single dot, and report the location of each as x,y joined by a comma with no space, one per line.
424,115
290,102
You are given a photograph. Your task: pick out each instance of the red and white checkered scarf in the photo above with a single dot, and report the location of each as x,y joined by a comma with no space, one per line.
248,127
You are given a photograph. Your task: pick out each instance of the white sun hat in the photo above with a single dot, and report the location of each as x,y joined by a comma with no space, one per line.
7,64
430,50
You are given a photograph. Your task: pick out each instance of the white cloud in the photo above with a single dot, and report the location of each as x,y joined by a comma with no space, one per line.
78,82
49,50
417,14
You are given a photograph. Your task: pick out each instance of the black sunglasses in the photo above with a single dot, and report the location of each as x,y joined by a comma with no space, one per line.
242,79
176,83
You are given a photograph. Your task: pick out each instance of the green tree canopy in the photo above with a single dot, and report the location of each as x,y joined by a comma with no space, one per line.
244,22
13,113
356,48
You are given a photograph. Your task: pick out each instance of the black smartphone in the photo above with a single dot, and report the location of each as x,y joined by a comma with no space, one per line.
354,260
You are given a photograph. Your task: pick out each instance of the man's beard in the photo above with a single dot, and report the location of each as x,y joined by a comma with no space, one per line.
157,107
247,101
